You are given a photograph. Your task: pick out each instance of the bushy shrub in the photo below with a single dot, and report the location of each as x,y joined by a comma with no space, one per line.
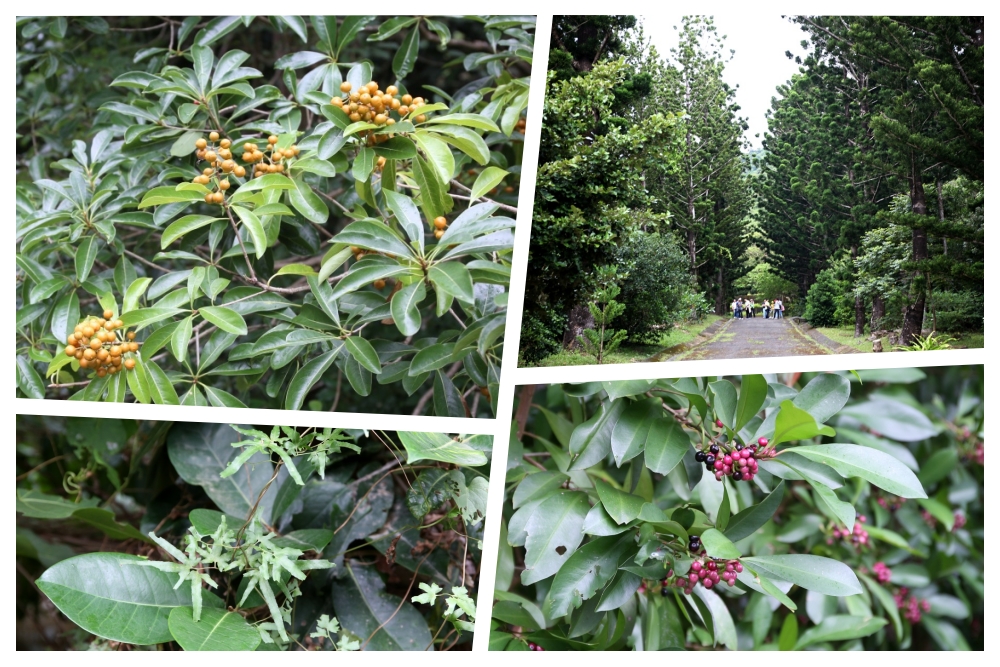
958,311
823,302
656,289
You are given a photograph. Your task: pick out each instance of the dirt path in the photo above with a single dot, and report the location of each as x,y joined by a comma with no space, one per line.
755,337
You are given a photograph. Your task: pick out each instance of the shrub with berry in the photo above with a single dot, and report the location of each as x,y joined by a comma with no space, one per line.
324,223
752,512
144,535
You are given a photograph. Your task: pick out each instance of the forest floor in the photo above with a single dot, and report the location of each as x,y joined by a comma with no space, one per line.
845,336
757,337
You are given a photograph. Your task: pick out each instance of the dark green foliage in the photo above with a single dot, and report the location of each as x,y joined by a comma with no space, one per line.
654,292
602,339
280,546
876,495
824,296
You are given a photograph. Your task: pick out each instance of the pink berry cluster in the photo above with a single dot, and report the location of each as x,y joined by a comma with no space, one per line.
928,518
911,606
891,505
738,461
532,646
858,536
977,455
960,521
882,572
706,572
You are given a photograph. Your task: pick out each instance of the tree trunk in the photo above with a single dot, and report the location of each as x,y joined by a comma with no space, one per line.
913,315
878,313
720,295
859,305
580,318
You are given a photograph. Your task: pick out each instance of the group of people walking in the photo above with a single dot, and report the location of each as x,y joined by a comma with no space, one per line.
747,308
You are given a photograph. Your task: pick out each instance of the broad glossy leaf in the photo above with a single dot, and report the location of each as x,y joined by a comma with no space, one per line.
306,377
110,595
218,630
666,445
86,253
882,470
794,423
745,523
753,393
225,318
145,316
439,447
840,628
373,235
554,531
255,227
723,628
824,396
628,438
814,573
438,154
620,506
717,545
201,452
455,279
408,215
363,607
725,402
892,418
363,353
591,441
38,505
405,307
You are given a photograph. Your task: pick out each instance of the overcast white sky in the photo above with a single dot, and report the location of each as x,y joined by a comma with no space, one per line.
759,66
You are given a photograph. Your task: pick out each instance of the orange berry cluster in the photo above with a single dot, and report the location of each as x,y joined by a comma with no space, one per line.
274,155
440,224
219,156
372,105
97,343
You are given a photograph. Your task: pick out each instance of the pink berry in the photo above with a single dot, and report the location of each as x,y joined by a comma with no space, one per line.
719,475
762,442
719,465
696,566
708,583
718,423
727,460
693,577
739,566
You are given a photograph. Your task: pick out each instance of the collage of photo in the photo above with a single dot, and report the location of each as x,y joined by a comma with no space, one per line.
500,333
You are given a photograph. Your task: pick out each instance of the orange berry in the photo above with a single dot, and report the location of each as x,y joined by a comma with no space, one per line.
225,143
130,364
201,143
133,346
438,233
214,136
240,171
379,284
70,351
84,363
345,87
210,156
440,222
108,314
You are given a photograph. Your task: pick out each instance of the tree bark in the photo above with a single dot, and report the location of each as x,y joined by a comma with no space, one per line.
878,312
913,315
579,319
720,296
859,305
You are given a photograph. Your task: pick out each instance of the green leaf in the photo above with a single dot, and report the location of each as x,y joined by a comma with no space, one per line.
408,215
893,419
725,402
366,610
591,440
316,166
431,358
628,438
65,315
438,154
454,278
303,380
745,523
554,531
201,452
405,308
406,55
185,144
666,445
255,227
38,505
882,470
620,506
887,602
938,466
307,202
717,545
723,628
185,225
373,235
143,317
753,394
824,396
364,353
396,148
86,253
104,520
218,630
487,180
226,319
363,164
475,120
840,628
110,595
814,573
794,423
789,633
439,447
939,511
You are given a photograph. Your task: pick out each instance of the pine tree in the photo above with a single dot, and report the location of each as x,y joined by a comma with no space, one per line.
602,340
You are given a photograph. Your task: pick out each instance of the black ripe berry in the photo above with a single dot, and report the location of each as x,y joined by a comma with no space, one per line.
737,476
739,446
714,449
700,457
710,459
665,591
